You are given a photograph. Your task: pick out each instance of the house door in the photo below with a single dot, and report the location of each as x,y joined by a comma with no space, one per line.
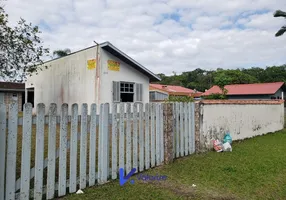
1,97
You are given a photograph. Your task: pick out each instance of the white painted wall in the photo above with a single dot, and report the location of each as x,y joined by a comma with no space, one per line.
67,80
126,73
242,121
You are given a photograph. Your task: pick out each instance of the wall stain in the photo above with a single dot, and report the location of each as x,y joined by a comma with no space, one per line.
256,128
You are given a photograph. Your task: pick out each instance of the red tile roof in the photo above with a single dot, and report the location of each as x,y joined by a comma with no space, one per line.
172,88
196,95
247,89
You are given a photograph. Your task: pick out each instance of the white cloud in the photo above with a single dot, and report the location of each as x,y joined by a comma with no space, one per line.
208,34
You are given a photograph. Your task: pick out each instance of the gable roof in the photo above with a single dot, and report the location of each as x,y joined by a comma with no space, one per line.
107,46
247,89
11,86
172,89
128,60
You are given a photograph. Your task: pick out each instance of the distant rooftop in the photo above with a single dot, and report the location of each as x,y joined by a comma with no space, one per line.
173,89
247,89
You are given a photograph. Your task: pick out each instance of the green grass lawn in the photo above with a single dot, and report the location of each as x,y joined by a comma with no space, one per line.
256,169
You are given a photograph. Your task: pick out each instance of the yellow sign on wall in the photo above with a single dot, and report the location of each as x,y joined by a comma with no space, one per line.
91,64
113,65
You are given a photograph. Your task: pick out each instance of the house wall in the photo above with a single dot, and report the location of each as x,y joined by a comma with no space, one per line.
243,119
248,97
279,93
126,73
158,96
66,80
8,99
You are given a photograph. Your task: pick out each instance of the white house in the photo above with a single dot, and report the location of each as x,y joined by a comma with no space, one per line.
98,74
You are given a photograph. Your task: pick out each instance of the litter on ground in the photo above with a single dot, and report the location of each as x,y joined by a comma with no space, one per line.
225,146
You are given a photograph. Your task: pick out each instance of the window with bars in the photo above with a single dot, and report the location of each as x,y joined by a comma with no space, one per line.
127,92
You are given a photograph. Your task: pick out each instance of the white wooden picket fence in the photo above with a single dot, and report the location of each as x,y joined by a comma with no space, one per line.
92,152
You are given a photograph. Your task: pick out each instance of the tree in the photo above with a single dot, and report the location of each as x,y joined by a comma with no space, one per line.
279,13
21,49
61,53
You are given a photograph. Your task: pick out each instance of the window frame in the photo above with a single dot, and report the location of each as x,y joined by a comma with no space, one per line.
136,90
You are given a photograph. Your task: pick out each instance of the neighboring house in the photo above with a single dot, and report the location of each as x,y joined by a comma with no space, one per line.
12,93
159,92
251,91
84,77
158,95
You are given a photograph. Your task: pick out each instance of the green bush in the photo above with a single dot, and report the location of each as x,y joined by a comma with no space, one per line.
216,96
180,99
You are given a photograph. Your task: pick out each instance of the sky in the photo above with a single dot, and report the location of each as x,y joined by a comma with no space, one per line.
165,36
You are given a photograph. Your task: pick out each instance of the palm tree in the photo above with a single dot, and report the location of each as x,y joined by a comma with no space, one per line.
279,13
61,52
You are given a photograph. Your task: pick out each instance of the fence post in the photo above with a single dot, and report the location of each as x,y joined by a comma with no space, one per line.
168,133
11,151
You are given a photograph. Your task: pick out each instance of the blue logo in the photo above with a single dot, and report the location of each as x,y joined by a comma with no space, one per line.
123,179
141,177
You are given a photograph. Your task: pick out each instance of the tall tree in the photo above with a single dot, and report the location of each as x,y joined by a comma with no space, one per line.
21,49
61,52
282,30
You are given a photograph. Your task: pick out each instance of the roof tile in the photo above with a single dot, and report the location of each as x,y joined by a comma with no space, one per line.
247,89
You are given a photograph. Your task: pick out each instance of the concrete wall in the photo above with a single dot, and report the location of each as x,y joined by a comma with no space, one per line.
243,119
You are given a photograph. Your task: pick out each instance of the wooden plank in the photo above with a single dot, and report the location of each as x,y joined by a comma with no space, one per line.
92,145
83,146
26,152
135,137
190,127
39,157
106,143
161,133
63,150
73,149
141,138
114,141
193,127
52,151
153,124
121,137
158,162
181,129
100,145
2,149
128,138
147,136
177,129
186,130
174,129
11,151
